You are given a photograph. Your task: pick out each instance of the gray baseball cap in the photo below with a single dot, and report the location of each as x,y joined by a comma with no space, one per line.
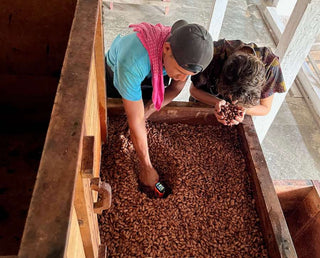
192,46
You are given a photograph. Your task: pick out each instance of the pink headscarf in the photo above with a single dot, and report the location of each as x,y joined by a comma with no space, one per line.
152,38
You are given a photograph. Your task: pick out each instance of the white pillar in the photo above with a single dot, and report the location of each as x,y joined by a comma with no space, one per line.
294,45
219,9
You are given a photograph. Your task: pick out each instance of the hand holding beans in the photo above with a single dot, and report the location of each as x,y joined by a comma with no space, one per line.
229,114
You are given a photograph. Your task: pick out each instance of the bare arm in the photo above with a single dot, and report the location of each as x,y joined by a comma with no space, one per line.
170,93
135,115
262,109
203,96
209,99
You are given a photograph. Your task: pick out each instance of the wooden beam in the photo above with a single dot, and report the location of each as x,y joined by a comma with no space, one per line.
304,80
87,159
88,222
275,229
217,16
294,45
151,2
74,246
100,73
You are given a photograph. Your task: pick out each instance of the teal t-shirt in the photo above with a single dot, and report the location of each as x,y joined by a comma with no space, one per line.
130,63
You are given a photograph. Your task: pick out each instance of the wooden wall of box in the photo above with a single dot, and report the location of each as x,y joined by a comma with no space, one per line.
56,49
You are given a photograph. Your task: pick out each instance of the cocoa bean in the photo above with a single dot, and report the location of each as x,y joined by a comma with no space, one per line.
211,210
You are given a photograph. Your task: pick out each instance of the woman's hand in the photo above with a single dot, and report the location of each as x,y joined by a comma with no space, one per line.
217,110
239,118
224,118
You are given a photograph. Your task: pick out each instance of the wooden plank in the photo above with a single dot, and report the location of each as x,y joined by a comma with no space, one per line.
102,251
47,224
307,244
74,245
83,203
92,119
183,112
87,156
100,74
151,2
288,199
104,189
303,216
291,192
304,213
276,232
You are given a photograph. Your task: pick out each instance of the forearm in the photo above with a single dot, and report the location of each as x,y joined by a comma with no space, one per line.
140,142
170,93
258,110
262,109
203,96
138,133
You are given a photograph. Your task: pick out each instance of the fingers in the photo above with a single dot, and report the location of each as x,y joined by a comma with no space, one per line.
233,122
229,114
219,117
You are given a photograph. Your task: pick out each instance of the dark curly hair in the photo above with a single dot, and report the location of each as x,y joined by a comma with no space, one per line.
243,76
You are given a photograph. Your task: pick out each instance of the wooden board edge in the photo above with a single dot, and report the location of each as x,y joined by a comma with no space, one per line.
48,218
276,233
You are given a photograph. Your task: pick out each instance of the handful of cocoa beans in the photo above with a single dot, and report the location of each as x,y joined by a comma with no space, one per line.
230,112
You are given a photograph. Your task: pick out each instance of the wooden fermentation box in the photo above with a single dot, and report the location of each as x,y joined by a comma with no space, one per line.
274,228
52,94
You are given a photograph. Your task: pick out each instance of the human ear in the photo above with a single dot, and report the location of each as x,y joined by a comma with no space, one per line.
166,47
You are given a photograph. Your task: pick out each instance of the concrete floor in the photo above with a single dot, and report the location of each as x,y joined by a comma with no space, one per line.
292,144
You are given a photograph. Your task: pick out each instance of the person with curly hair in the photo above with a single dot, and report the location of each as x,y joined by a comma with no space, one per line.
241,74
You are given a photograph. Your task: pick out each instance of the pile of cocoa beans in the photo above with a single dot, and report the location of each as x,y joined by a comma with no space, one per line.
211,210
230,112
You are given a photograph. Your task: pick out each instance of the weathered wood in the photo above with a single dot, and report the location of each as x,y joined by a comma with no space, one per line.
92,121
172,113
83,203
87,156
102,251
74,244
150,2
104,189
275,230
163,3
301,205
101,78
48,220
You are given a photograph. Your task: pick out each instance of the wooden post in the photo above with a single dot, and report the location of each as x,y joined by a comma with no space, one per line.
100,71
294,45
219,9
